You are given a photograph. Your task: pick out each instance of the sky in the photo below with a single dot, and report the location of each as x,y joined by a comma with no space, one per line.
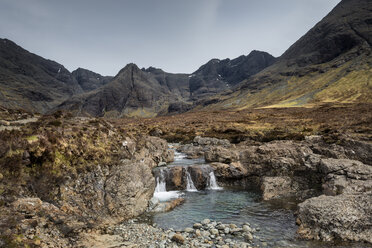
175,35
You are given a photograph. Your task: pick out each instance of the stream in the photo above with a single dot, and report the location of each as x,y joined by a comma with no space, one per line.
274,219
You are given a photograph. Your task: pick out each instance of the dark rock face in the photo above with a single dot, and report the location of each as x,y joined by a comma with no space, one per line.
131,92
338,33
218,75
32,82
89,80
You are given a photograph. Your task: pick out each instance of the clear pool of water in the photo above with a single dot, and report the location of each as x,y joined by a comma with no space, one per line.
275,219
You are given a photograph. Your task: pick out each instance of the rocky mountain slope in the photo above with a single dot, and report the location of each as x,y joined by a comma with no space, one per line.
330,63
89,80
217,75
31,82
131,92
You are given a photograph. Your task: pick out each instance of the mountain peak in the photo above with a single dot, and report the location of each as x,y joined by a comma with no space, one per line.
131,67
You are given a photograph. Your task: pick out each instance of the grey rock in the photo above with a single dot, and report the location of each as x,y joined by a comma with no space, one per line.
198,225
346,216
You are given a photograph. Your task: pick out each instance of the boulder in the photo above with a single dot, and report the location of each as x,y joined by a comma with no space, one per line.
234,170
222,155
276,158
345,176
275,187
345,217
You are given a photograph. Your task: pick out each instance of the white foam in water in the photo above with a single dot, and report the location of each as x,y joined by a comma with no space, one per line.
178,156
190,184
161,192
160,186
213,182
167,195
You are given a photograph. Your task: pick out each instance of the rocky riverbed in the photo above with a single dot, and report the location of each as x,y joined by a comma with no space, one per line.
207,233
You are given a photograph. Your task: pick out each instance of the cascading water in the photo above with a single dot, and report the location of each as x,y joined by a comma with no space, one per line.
160,183
161,192
213,182
166,175
189,183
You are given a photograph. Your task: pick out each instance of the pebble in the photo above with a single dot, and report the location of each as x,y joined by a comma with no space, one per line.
178,238
206,221
198,225
214,231
206,233
248,236
246,228
232,226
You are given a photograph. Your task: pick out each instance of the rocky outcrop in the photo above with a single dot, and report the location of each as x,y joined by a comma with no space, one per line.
201,145
274,187
69,181
345,217
233,171
121,191
345,176
222,155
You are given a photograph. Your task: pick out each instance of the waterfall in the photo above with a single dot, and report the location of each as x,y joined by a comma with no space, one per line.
190,184
161,192
213,182
178,156
160,183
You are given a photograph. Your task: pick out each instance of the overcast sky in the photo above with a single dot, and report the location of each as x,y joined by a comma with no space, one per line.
175,35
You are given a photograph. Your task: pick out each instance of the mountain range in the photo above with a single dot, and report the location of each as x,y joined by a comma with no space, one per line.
330,63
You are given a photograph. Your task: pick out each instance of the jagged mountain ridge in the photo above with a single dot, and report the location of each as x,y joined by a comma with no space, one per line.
150,92
33,83
131,92
225,74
